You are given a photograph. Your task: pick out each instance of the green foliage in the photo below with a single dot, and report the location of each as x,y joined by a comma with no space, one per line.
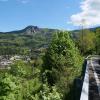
20,68
30,81
63,62
9,87
38,62
21,84
86,42
31,88
48,93
97,41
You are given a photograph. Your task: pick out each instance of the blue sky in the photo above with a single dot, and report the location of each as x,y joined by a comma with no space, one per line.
17,14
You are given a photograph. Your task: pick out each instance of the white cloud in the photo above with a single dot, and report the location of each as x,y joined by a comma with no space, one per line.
90,13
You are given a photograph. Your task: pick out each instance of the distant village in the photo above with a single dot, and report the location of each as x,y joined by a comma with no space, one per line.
5,61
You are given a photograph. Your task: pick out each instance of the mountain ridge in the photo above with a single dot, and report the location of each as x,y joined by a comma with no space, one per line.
30,30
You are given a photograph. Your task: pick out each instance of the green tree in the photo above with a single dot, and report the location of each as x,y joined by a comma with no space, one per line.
97,40
62,61
86,42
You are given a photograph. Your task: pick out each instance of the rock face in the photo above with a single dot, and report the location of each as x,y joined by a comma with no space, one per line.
30,30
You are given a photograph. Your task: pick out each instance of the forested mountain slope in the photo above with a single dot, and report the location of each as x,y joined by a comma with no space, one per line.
31,38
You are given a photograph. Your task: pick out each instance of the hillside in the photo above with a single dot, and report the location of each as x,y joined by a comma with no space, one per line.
75,33
31,38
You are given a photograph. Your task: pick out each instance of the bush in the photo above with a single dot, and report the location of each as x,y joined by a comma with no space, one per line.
20,68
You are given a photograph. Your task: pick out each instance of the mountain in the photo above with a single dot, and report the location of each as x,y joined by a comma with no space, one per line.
31,37
31,30
37,34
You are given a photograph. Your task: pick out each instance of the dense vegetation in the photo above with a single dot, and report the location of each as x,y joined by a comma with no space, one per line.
87,40
62,63
31,39
56,62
